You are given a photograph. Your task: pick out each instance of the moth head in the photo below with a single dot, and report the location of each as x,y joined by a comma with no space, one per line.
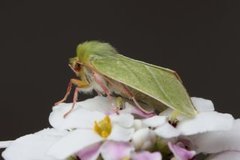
75,65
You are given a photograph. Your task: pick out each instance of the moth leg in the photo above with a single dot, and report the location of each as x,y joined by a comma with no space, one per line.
75,98
80,84
72,81
102,85
128,94
119,103
140,107
173,118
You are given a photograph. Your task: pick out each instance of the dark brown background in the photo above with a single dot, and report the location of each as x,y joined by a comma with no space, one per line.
198,39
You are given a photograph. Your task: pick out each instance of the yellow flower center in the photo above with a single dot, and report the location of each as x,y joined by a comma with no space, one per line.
103,127
126,158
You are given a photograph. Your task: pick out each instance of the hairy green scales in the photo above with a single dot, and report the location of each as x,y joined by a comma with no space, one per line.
158,83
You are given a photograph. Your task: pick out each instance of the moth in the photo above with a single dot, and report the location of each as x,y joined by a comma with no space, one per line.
98,66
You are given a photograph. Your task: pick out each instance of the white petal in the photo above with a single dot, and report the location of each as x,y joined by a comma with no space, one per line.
204,122
228,155
137,124
120,134
213,142
78,118
143,139
51,132
124,120
33,146
5,144
98,103
74,142
202,105
155,121
167,131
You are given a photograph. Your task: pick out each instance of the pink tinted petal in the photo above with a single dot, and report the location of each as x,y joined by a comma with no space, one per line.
90,152
113,150
145,155
180,152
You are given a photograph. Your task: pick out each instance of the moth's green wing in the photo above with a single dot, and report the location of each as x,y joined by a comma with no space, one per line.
157,82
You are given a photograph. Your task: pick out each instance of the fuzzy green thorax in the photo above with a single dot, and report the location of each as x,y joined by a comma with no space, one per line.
88,51
91,49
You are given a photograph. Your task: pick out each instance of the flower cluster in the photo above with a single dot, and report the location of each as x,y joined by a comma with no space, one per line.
94,131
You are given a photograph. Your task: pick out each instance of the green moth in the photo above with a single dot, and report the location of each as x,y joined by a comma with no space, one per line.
100,67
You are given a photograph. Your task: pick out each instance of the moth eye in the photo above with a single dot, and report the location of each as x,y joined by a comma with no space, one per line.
77,67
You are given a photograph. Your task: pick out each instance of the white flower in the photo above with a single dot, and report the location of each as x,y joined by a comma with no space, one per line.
203,130
206,122
212,132
90,127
